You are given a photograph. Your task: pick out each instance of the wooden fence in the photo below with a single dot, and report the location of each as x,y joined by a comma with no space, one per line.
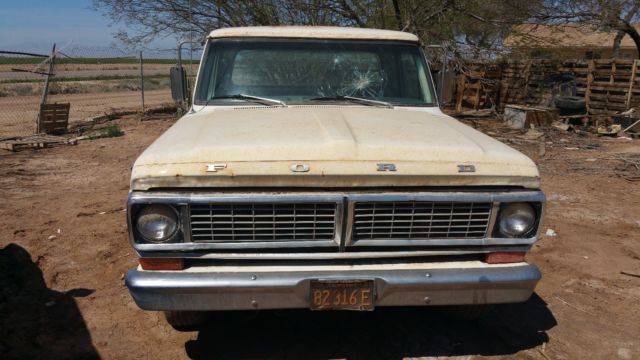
607,85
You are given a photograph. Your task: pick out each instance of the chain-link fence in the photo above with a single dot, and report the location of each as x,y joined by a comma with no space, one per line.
94,81
21,85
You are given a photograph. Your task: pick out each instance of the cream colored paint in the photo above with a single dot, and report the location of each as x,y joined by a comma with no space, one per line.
313,32
341,144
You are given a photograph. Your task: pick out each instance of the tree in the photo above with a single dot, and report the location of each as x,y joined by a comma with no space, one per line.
148,19
467,27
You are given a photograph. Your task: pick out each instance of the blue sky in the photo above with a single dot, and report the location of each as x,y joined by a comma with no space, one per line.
34,25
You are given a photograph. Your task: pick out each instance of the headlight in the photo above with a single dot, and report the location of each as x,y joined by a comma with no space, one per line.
516,219
157,223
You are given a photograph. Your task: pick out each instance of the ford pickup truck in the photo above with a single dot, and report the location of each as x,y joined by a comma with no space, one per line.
316,170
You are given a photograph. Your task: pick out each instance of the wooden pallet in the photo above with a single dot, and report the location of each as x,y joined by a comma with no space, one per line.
477,87
38,141
54,118
608,85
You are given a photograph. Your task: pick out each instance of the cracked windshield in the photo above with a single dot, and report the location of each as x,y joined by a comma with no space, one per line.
298,72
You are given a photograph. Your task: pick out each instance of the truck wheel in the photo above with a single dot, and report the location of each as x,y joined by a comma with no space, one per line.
469,312
570,102
186,320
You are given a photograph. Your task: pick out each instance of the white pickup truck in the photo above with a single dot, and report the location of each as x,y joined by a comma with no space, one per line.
316,170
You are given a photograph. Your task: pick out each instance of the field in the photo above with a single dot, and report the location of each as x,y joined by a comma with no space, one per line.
11,60
92,86
63,211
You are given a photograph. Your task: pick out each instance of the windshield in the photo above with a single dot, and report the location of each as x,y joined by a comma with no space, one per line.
305,71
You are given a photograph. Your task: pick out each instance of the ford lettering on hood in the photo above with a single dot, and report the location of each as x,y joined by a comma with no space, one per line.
328,146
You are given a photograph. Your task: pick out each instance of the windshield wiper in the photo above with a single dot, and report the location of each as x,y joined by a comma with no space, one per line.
355,99
261,100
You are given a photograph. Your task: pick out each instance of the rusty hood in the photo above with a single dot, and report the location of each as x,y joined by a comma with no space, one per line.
327,146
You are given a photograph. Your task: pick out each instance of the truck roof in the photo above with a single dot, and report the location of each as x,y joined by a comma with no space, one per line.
313,32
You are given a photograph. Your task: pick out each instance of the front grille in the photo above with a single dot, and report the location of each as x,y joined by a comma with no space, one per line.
420,220
251,222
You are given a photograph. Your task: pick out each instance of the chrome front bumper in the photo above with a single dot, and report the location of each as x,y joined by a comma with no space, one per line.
278,287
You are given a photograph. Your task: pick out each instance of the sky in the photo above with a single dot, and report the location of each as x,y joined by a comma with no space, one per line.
34,25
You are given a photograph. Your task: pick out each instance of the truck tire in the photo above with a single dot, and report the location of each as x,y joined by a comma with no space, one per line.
570,102
469,312
186,320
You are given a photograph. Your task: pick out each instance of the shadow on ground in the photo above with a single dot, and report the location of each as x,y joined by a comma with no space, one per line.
36,322
383,334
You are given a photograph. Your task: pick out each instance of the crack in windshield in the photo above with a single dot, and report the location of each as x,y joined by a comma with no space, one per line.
286,72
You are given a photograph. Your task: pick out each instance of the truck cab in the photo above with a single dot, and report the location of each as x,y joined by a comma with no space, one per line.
316,170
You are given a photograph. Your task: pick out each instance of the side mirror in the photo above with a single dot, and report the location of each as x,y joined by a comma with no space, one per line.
178,77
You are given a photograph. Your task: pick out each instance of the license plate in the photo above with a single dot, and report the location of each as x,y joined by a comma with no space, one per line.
341,295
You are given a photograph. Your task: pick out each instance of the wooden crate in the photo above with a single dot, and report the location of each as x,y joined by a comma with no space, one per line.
53,118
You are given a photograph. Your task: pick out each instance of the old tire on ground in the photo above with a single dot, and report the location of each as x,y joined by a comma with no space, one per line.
468,312
570,102
186,320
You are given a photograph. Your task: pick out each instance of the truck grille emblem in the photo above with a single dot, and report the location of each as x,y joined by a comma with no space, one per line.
466,168
216,167
386,167
300,167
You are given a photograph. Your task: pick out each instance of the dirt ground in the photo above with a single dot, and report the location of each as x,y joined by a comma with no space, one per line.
64,252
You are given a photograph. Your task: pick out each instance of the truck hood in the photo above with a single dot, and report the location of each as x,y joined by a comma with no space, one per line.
341,146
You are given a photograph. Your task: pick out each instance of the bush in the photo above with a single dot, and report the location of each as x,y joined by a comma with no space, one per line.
23,89
112,131
108,132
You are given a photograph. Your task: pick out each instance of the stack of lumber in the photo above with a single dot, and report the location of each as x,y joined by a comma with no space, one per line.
609,86
37,141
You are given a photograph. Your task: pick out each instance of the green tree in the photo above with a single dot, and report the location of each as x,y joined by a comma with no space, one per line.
467,27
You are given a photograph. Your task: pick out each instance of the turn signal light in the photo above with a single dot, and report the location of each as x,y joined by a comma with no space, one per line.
504,257
161,264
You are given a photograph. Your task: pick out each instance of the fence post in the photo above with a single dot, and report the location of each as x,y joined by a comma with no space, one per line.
527,76
587,93
634,68
45,90
462,87
142,81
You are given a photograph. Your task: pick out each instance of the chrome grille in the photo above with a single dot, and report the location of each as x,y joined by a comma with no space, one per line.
253,222
420,220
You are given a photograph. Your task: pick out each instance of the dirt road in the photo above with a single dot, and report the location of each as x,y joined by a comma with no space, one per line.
8,75
62,209
8,71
